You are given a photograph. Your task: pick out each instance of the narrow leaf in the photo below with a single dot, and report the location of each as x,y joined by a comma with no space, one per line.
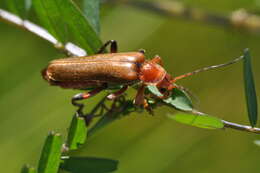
201,121
250,92
89,165
179,99
91,11
62,18
77,133
51,153
50,16
19,7
28,169
153,89
79,27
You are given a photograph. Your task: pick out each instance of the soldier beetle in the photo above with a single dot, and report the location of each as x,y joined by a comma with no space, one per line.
106,70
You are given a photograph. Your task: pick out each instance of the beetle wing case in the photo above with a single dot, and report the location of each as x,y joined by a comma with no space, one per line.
96,70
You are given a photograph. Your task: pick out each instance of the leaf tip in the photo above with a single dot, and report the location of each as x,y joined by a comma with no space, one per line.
246,50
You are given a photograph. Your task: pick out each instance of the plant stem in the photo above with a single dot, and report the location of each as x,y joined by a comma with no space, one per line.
69,49
239,19
241,127
231,125
174,9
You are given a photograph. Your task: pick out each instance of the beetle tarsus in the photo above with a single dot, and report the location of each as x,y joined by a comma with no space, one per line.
82,96
116,94
79,105
113,47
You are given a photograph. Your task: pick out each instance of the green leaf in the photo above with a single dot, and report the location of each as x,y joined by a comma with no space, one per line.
80,28
56,14
250,92
89,165
19,7
201,121
179,99
49,13
77,133
91,11
28,169
153,89
51,153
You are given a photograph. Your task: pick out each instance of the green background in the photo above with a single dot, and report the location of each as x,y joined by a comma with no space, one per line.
142,143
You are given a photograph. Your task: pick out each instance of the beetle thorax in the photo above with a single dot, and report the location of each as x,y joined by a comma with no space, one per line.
151,73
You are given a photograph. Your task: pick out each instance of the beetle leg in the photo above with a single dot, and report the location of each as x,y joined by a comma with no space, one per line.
82,96
139,98
113,47
114,95
157,59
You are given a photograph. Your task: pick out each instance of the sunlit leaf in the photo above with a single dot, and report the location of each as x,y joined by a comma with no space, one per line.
250,92
80,28
19,7
51,153
50,14
77,133
89,165
91,11
46,20
63,18
153,89
179,99
202,121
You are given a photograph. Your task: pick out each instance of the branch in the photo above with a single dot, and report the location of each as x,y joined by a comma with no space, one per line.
234,126
69,48
238,19
175,9
241,127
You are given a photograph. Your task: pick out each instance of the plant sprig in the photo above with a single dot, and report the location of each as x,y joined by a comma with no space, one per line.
85,34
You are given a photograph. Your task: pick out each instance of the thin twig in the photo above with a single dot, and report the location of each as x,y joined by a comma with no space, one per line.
234,126
240,18
177,9
69,49
241,127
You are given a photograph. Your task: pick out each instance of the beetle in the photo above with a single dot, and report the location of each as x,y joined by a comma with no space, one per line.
107,70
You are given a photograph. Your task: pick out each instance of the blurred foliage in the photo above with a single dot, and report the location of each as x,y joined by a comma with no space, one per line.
142,143
250,90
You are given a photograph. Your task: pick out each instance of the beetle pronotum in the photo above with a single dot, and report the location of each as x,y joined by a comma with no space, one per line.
105,70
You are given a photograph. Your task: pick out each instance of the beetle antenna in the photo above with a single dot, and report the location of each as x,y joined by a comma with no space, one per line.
206,69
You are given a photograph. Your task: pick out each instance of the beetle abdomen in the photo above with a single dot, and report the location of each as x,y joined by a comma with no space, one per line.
95,70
